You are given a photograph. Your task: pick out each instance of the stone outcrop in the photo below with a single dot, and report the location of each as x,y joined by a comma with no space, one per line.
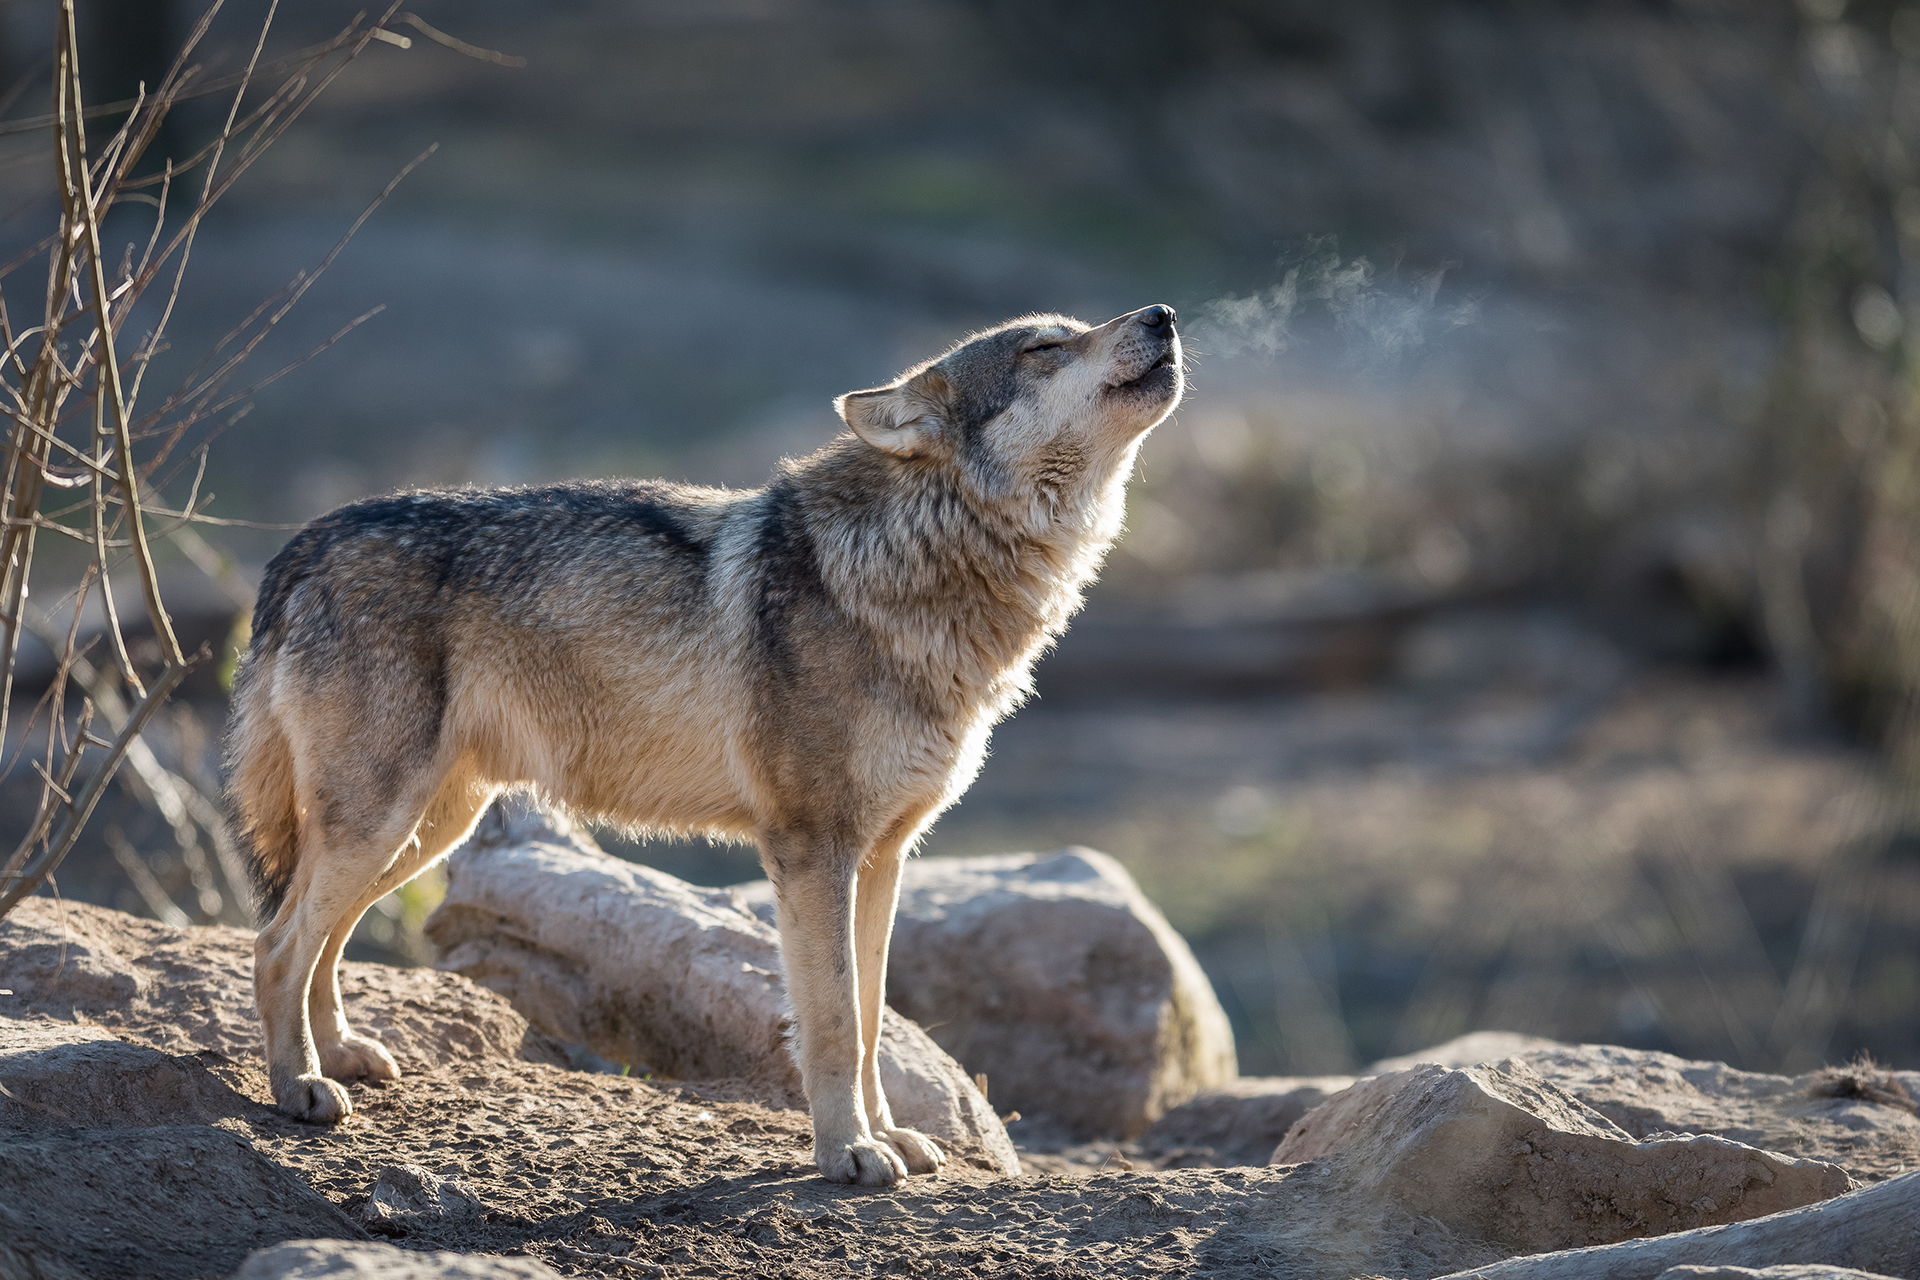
1500,1153
59,1075
1874,1230
1054,977
646,969
70,959
1862,1118
1469,1050
164,1203
1786,1271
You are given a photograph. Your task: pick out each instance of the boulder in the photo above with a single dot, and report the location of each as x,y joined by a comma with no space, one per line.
1470,1050
649,970
356,1260
1054,977
1859,1117
1874,1230
1500,1153
1239,1122
167,1203
1790,1271
60,1075
191,989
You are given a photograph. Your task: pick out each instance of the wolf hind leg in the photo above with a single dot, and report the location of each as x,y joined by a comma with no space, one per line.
329,876
876,895
341,854
344,1053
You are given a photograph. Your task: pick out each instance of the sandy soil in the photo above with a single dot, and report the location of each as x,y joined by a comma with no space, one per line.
600,1174
595,1174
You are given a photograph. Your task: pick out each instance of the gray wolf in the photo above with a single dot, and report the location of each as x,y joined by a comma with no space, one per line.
814,666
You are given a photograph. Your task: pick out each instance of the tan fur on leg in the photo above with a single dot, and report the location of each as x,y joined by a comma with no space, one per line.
876,895
285,956
813,883
344,1053
345,854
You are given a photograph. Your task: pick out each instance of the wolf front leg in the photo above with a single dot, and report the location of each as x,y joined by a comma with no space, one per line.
876,897
813,881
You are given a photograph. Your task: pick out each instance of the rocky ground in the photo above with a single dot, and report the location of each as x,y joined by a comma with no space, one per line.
139,1142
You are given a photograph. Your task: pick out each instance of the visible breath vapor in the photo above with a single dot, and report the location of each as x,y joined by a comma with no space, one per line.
1379,320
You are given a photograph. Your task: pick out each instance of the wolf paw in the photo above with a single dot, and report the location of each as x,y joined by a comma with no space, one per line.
357,1057
316,1100
921,1153
863,1162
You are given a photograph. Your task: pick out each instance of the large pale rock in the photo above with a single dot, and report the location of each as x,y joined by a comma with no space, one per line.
1502,1154
1790,1271
188,990
60,1075
149,1204
1875,1230
358,1260
1470,1050
647,969
1862,1119
1057,979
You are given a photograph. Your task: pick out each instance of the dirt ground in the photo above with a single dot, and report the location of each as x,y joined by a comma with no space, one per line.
594,1174
600,1174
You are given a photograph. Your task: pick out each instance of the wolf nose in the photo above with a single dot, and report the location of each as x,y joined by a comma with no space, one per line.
1157,318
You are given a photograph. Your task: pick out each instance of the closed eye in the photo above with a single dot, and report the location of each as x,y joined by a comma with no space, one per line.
1042,346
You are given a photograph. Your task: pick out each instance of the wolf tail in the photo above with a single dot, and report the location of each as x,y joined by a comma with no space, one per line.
260,785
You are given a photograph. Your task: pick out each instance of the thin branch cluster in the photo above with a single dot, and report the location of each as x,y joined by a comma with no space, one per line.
85,456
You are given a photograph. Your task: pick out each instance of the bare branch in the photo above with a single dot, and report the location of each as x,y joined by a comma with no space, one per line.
39,866
107,384
494,56
69,428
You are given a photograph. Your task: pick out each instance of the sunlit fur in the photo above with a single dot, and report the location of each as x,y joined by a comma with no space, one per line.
814,666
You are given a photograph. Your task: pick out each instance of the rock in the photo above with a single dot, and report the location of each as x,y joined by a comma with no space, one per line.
1791,1271
353,1260
646,969
192,989
1875,1230
1471,1050
25,1260
1237,1123
1500,1153
406,1197
57,1075
1054,977
173,1203
1861,1119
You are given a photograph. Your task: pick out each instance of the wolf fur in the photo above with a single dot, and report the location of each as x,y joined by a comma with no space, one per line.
814,666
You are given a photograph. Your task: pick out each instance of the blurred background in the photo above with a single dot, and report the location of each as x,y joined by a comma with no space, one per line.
1517,627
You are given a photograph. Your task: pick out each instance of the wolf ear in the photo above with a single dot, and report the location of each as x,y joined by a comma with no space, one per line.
904,420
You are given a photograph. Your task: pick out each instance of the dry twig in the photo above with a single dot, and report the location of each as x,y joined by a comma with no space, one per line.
68,397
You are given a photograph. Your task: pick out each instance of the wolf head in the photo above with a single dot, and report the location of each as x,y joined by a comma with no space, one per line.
1043,405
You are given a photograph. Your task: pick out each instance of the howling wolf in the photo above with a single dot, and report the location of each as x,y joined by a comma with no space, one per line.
814,665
